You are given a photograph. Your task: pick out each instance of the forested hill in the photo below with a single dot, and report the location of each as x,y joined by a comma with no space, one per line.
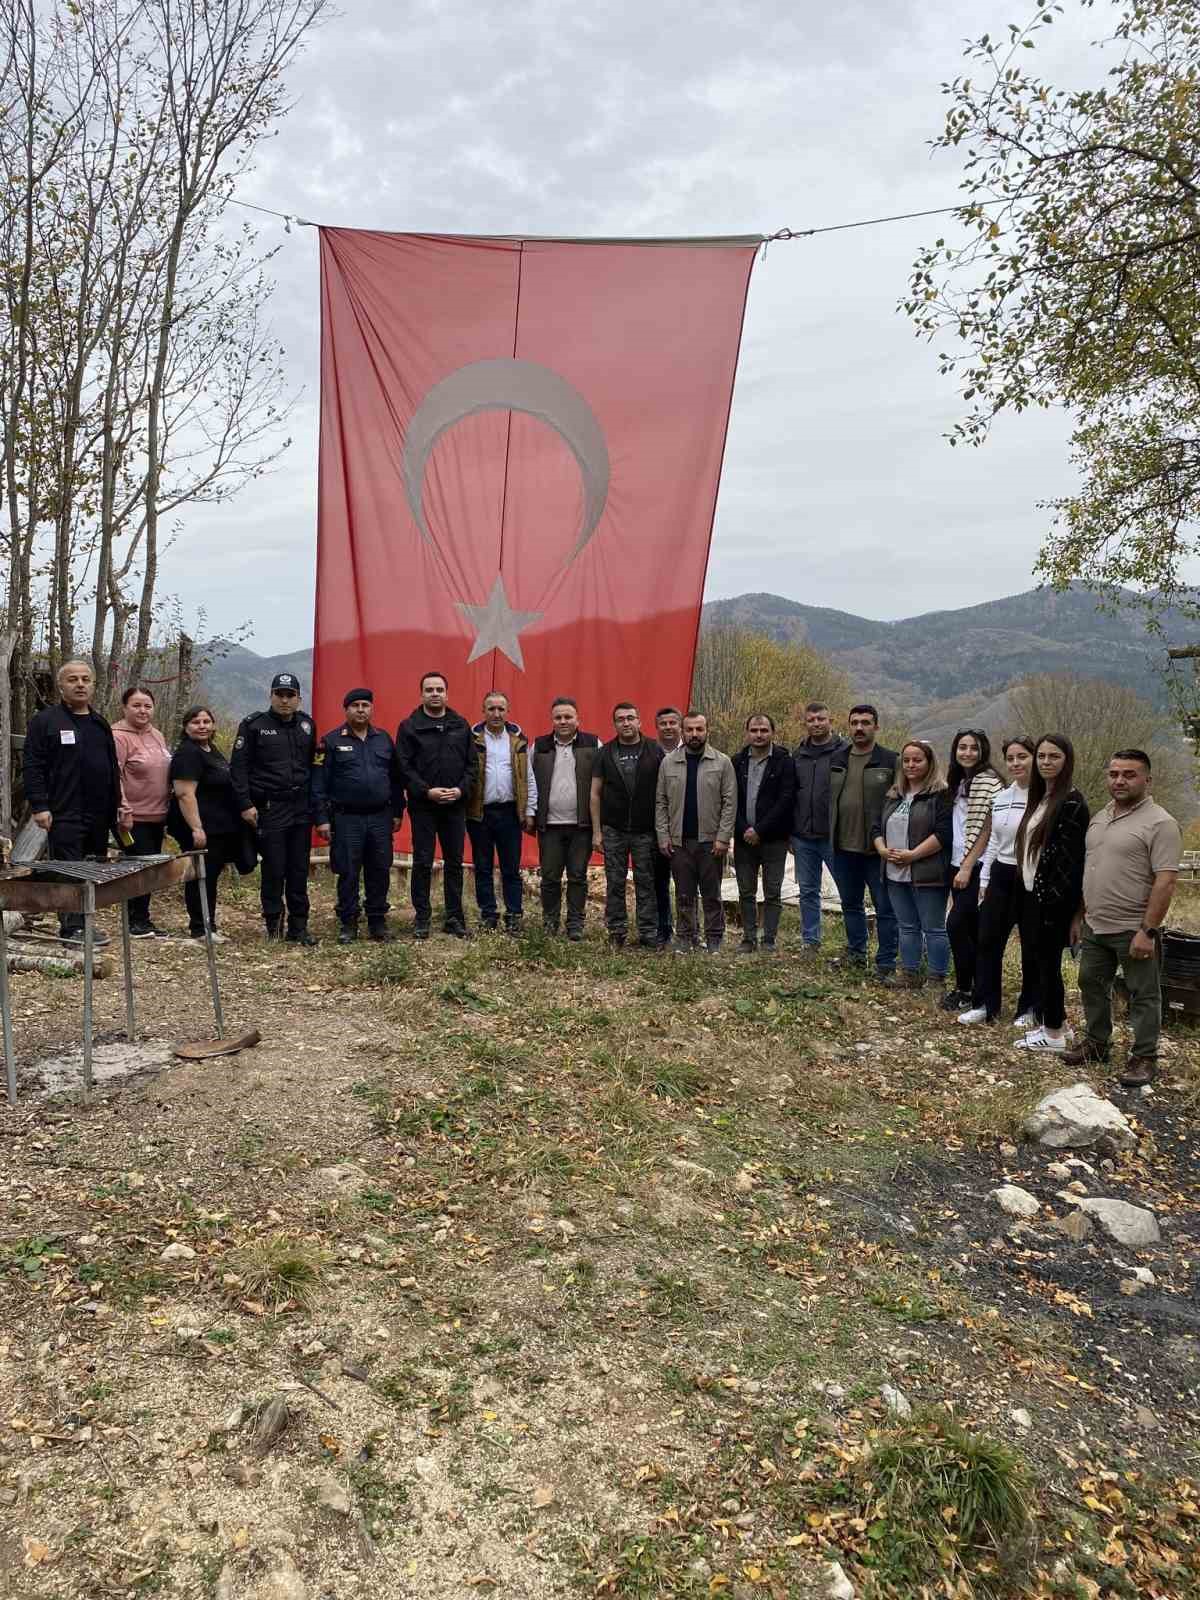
977,650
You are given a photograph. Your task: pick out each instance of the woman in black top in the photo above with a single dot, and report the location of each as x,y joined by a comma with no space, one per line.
204,814
1050,847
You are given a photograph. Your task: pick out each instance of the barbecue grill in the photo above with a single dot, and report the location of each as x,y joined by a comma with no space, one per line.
82,888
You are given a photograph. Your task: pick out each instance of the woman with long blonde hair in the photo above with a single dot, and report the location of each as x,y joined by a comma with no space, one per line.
914,839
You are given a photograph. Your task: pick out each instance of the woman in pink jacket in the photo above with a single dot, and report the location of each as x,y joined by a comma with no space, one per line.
144,760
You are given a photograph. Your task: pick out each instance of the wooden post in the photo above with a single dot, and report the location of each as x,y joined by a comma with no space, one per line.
8,643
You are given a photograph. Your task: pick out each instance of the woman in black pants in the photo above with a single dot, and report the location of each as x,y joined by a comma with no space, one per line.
973,785
1001,899
1051,843
204,813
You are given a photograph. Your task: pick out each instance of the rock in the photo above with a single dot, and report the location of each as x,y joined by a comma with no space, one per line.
1078,1164
1059,1169
1144,1275
831,1391
1016,1202
345,1178
335,1497
1022,1419
1131,1225
744,1181
895,1400
272,1421
1009,1152
1076,1187
351,1369
178,1252
1075,1118
232,1422
700,1570
1129,1286
1076,1227
284,1582
245,1477
837,1584
1144,1417
223,1588
691,1169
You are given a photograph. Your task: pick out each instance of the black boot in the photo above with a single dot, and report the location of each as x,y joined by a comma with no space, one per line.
274,926
377,930
298,934
347,933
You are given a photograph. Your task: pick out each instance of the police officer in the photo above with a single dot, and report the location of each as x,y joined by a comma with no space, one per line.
357,797
271,767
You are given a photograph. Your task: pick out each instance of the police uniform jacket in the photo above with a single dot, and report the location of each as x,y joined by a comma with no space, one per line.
51,767
356,775
435,753
271,766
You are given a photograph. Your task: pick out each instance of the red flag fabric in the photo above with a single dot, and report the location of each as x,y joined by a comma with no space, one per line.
521,444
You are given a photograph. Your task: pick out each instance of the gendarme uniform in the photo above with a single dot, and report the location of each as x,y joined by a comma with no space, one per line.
271,768
356,790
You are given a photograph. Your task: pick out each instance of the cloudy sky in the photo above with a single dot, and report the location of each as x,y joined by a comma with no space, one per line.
673,117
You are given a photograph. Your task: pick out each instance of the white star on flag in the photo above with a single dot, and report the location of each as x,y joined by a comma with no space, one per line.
497,625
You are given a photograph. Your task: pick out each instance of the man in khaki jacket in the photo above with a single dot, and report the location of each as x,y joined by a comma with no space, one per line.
695,812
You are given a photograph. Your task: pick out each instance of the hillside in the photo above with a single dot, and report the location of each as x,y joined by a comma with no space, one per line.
938,670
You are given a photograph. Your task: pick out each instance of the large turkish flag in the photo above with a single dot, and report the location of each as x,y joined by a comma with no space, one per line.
521,444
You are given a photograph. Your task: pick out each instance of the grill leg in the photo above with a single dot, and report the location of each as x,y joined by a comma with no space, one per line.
10,1062
208,946
127,959
89,961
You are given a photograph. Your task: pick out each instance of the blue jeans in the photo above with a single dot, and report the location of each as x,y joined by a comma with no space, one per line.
856,874
921,914
497,834
810,855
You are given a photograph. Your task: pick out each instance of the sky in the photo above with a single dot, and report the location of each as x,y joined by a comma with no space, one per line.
663,118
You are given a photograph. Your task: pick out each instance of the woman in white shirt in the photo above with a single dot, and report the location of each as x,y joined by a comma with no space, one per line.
1001,892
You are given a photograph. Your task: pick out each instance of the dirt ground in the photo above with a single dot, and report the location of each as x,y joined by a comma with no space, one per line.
544,1269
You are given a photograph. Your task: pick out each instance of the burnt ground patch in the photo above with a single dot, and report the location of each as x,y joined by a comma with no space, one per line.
1142,1345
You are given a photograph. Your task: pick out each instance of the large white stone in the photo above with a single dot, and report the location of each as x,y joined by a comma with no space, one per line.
1015,1201
1126,1224
837,1584
1075,1118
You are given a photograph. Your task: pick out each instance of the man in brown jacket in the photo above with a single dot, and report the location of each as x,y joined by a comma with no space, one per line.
695,813
563,763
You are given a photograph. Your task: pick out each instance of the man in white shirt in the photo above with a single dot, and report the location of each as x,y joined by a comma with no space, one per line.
500,804
563,763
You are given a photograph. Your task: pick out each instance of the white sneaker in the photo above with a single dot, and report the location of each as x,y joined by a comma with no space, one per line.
1039,1039
1025,1021
975,1014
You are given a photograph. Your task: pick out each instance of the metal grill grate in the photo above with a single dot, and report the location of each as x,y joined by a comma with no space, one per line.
96,871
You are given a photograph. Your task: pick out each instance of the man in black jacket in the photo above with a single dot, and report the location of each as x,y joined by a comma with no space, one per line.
811,849
624,785
766,795
72,781
859,779
436,753
358,805
271,768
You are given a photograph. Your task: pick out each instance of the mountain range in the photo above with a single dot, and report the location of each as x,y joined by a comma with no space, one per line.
938,670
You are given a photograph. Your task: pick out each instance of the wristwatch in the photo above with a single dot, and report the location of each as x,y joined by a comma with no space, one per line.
1149,932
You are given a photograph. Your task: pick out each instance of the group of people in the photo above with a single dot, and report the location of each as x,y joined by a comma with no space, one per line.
952,864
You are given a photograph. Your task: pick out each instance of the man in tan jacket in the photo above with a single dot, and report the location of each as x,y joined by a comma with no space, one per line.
695,814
